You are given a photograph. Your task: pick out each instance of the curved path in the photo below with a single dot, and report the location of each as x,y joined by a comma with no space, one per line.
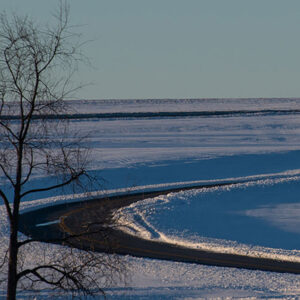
89,225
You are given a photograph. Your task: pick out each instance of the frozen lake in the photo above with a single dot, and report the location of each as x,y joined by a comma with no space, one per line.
260,217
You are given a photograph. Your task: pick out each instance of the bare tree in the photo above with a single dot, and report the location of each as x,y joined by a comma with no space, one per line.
36,66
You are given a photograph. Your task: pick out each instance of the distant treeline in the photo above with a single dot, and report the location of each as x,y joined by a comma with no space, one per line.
129,115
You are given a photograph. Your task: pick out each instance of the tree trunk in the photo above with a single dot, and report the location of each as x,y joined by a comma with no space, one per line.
12,264
14,226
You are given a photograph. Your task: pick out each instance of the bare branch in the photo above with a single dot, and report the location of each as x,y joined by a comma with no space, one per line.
7,175
7,205
68,240
71,179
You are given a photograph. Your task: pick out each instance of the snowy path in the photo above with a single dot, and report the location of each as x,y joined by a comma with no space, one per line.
71,223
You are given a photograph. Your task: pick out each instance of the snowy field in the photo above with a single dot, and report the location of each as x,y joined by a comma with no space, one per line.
259,216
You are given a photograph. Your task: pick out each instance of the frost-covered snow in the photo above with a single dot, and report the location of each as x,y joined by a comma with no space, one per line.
258,216
173,105
153,279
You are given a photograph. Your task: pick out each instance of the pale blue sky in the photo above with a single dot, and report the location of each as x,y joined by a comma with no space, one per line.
184,48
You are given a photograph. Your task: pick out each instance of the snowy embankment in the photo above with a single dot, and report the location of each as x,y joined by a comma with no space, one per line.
214,219
257,215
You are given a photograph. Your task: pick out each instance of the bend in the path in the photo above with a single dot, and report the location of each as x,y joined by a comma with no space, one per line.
74,218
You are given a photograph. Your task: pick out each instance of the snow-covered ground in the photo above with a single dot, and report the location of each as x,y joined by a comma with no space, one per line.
258,216
173,105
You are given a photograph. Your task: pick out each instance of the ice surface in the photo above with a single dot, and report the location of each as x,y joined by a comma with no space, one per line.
285,216
143,154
